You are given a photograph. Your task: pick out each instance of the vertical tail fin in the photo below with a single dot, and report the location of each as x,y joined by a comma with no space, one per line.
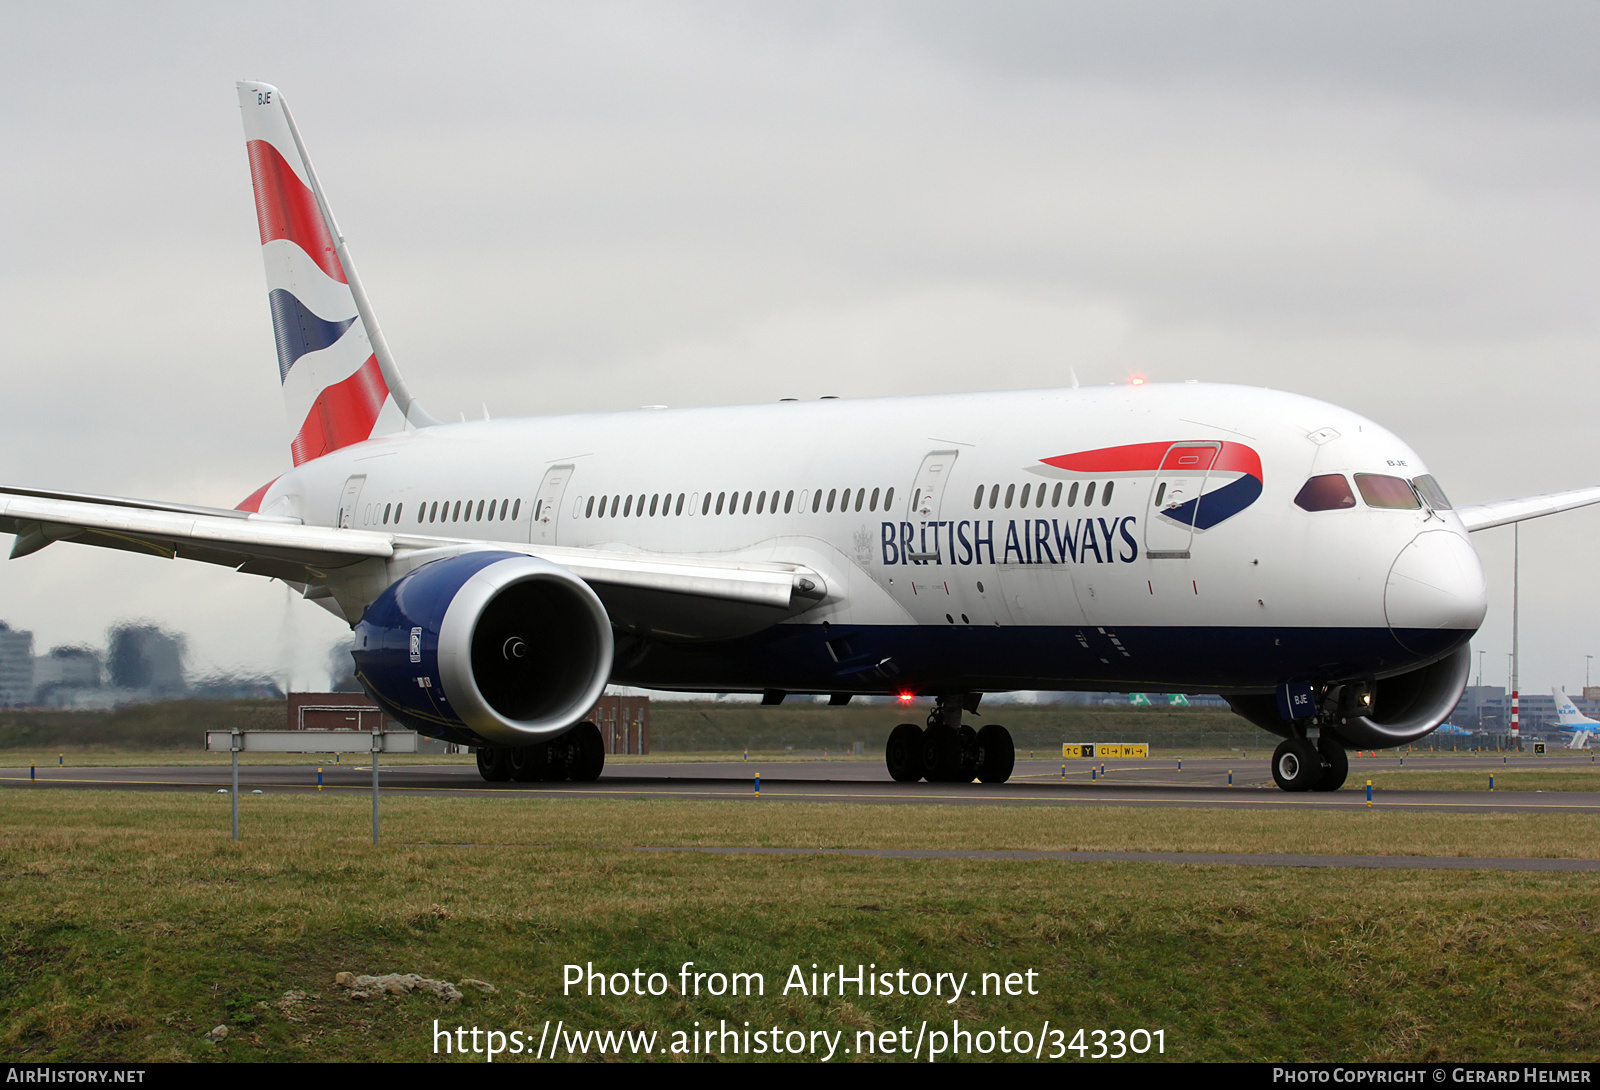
340,385
1567,714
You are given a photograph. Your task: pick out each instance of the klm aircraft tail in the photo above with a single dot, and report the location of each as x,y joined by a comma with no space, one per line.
1571,720
340,385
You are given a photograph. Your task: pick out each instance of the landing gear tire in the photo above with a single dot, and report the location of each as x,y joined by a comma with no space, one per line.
1296,765
586,753
529,764
493,765
996,754
903,754
941,754
1335,762
967,754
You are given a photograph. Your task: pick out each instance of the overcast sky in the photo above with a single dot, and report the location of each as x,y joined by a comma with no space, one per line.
581,206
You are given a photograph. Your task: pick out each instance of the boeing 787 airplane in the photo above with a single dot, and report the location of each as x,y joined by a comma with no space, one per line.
1288,554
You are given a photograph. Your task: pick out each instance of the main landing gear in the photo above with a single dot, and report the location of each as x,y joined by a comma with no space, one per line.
1299,764
948,752
577,755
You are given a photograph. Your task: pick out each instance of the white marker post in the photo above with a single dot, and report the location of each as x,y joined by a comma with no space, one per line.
234,746
377,746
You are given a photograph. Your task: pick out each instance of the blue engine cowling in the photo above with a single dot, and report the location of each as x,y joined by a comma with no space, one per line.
486,648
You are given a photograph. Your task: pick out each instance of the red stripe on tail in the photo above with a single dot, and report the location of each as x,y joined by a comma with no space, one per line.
343,414
252,502
285,208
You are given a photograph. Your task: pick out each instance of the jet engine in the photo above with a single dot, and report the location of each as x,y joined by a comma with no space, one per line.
1403,708
486,648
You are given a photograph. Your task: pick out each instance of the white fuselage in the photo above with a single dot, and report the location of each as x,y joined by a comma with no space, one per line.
1059,591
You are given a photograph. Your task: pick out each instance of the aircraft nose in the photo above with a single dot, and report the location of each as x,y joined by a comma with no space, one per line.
1435,587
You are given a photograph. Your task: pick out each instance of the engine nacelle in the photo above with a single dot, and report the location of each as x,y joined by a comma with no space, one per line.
486,648
1406,707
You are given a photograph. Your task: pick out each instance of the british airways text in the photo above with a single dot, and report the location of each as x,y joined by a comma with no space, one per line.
1016,541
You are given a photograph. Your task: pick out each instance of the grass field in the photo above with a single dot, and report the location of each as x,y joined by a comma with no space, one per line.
133,926
1577,778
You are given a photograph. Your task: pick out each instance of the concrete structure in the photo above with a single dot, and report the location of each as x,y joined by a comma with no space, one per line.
337,711
321,713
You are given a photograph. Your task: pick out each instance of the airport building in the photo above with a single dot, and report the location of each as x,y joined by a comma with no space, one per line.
16,667
1487,708
146,658
67,677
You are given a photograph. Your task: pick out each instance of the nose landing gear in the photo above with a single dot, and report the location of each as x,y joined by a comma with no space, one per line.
1299,764
949,752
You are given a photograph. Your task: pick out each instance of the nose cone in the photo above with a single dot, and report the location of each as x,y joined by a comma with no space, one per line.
1436,588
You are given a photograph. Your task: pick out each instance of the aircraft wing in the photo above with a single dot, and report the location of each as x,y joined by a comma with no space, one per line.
1483,516
257,544
667,596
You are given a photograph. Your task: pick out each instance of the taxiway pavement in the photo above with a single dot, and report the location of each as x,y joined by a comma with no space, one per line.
1199,782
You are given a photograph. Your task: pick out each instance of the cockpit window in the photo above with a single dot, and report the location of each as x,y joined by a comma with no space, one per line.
1432,494
1329,492
1391,492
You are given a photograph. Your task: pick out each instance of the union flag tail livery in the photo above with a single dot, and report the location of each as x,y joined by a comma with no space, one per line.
339,384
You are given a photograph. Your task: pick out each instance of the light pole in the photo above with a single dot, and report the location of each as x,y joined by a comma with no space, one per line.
1477,697
1516,589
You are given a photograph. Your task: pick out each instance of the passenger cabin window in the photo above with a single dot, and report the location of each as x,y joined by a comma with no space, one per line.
1394,493
1329,492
